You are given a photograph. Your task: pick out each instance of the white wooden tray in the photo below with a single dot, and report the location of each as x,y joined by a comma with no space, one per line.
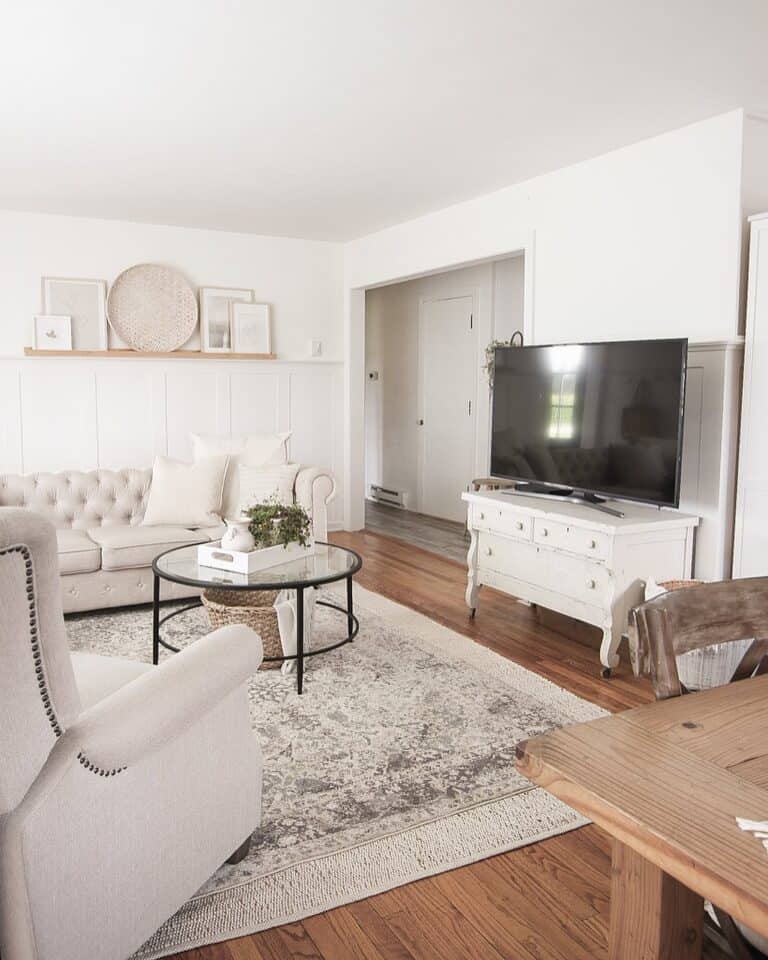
212,555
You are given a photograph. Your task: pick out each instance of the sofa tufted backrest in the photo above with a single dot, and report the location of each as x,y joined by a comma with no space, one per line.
99,498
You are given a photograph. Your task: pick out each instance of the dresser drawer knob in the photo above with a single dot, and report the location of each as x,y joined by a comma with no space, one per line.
482,516
489,552
592,544
591,584
519,525
544,532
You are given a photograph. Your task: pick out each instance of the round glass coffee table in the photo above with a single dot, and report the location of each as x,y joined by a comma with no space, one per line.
328,564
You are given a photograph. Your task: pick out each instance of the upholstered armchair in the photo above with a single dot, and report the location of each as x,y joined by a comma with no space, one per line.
123,787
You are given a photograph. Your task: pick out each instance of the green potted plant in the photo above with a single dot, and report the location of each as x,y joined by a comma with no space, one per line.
490,354
276,533
275,524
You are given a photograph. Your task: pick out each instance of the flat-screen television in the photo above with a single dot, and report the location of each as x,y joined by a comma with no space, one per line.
597,418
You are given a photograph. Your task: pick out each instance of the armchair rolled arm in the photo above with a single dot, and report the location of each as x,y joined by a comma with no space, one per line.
314,489
156,708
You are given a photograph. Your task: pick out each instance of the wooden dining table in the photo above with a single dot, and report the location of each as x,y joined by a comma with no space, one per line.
667,781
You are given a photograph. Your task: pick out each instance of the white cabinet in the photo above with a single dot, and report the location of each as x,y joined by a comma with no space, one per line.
573,559
750,554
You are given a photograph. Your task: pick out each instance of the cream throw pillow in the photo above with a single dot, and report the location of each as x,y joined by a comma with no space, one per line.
258,484
253,449
186,494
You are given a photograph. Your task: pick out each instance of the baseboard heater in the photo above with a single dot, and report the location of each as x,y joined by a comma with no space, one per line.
395,498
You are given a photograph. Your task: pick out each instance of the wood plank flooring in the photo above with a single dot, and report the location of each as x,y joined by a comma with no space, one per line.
445,537
547,901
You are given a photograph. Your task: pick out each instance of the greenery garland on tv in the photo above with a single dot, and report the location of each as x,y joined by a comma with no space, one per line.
490,354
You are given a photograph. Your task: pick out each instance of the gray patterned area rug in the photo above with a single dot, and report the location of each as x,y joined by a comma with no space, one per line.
396,763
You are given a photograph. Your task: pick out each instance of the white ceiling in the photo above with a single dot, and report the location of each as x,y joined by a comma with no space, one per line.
332,118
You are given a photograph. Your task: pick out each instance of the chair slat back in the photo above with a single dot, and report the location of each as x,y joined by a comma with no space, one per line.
683,620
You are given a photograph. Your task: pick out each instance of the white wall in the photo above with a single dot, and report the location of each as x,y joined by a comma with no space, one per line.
391,349
72,413
85,414
301,279
755,166
644,241
754,193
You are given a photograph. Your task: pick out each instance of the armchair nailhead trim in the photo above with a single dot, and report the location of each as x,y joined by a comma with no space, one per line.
37,657
98,770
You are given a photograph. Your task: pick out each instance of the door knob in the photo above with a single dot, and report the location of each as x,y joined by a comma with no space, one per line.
421,423
591,584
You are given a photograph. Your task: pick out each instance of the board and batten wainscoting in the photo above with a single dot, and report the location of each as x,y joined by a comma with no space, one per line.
82,413
710,451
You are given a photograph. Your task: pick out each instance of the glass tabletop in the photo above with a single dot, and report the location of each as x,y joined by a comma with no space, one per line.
326,564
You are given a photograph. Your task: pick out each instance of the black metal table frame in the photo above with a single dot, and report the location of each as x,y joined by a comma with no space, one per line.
353,624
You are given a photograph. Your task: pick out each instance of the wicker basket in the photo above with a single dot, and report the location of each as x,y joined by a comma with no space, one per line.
254,608
152,308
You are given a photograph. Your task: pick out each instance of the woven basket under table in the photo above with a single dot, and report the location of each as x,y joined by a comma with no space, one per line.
254,608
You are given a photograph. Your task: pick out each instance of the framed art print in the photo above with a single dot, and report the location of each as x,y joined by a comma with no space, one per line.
52,332
216,316
250,328
85,302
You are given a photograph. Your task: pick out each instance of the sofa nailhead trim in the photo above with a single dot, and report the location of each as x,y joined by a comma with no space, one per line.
37,657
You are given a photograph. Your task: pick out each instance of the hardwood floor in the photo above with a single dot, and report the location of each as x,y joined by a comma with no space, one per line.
547,901
445,537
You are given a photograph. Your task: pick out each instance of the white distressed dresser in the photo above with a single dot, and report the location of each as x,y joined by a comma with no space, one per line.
574,559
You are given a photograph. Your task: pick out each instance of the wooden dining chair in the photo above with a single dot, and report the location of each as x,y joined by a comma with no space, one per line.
683,620
679,621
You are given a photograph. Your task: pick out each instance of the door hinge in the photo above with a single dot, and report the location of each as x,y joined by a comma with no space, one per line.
471,320
470,408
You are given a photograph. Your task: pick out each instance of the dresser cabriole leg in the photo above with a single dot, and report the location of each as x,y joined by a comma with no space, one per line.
473,587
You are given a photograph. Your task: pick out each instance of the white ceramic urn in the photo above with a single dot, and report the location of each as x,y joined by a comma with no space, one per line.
237,536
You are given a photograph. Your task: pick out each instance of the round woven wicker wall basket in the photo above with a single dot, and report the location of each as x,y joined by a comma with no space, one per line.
152,308
253,608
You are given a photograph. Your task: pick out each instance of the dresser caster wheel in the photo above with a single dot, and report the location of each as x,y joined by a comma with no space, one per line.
472,613
605,673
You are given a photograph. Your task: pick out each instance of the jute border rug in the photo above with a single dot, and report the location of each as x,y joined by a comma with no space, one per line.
385,809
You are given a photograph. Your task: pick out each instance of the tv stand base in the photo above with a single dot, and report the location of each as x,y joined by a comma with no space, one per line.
564,493
555,555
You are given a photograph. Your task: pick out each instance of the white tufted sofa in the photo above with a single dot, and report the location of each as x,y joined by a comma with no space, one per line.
105,554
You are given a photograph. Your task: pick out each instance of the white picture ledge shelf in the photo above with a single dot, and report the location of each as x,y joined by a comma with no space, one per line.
123,354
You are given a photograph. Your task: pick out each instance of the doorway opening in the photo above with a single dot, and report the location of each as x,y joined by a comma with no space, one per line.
427,399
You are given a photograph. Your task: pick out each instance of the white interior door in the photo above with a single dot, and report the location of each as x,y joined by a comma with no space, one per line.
447,360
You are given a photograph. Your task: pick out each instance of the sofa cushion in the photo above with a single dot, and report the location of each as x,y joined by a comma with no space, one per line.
77,552
213,533
262,484
123,548
188,494
96,676
253,449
